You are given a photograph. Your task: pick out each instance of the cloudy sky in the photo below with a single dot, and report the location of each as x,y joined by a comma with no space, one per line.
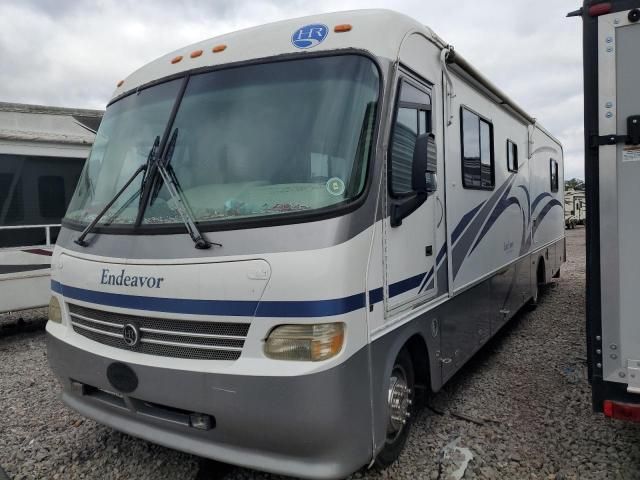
72,52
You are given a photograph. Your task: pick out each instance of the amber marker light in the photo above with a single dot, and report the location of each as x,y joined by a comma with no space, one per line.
196,53
344,27
120,83
219,48
176,59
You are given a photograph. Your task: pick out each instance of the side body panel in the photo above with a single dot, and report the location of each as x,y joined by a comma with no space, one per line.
607,57
619,77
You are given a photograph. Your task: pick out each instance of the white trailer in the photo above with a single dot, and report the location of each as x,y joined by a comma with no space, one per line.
291,233
612,174
575,208
42,152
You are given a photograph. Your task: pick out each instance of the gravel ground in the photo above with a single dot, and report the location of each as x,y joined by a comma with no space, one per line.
521,407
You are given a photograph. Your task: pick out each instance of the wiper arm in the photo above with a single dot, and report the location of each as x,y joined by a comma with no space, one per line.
81,239
143,168
173,187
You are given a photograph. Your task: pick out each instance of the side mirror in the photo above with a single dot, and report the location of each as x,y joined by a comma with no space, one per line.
423,178
425,164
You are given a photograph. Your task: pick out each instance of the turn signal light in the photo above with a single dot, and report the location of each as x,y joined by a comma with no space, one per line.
622,411
312,343
55,312
345,27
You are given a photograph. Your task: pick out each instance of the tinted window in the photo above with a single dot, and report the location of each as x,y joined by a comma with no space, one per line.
51,197
278,138
512,156
34,191
553,167
477,151
412,119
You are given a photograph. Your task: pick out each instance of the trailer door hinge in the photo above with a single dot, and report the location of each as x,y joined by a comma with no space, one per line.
596,141
632,138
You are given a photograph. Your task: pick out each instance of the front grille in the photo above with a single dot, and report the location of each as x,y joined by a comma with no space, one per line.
199,340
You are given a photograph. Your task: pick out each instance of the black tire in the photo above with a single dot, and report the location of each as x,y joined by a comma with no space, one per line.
540,281
533,302
396,441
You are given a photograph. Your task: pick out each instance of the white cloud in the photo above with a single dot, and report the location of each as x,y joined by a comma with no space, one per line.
72,53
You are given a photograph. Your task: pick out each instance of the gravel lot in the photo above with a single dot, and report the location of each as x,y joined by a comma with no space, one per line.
524,399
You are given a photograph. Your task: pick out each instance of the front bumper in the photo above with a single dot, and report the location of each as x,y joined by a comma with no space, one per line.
309,426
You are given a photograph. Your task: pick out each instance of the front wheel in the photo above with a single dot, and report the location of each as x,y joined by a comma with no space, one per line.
400,398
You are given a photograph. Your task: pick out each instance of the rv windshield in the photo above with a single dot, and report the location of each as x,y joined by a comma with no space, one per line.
257,140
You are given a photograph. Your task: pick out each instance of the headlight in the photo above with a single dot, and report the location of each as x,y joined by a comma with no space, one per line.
305,342
55,312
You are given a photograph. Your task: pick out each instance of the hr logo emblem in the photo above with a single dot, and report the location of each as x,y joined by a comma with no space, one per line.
309,35
131,335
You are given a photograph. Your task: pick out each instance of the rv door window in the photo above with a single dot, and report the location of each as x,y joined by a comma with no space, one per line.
512,156
553,168
477,151
412,119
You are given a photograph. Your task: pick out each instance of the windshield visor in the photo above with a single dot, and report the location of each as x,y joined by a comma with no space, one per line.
252,141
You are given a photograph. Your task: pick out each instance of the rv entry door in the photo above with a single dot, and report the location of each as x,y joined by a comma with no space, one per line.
410,247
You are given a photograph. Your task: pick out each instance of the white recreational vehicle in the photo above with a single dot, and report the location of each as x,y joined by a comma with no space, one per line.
612,175
42,152
290,233
575,208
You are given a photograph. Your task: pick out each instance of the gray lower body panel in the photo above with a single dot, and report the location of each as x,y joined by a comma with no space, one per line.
311,426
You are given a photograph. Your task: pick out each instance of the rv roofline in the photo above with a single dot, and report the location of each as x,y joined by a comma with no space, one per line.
42,137
43,109
502,98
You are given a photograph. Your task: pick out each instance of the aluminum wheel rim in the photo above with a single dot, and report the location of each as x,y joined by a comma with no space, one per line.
399,403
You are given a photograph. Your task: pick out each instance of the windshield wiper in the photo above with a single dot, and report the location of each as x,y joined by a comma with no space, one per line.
175,191
142,168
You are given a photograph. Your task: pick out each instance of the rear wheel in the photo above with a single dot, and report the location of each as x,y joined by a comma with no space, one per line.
400,397
540,280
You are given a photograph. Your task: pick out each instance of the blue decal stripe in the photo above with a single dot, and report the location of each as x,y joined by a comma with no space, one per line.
241,308
376,295
543,213
426,280
538,199
405,285
235,308
464,221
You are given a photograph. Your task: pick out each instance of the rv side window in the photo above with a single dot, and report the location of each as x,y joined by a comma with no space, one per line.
477,151
51,197
553,168
21,176
512,156
412,119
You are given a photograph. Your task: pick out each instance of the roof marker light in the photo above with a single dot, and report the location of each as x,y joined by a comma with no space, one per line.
219,48
120,83
344,27
196,53
176,59
599,9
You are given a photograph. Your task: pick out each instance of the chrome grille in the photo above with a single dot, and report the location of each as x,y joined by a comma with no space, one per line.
201,340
